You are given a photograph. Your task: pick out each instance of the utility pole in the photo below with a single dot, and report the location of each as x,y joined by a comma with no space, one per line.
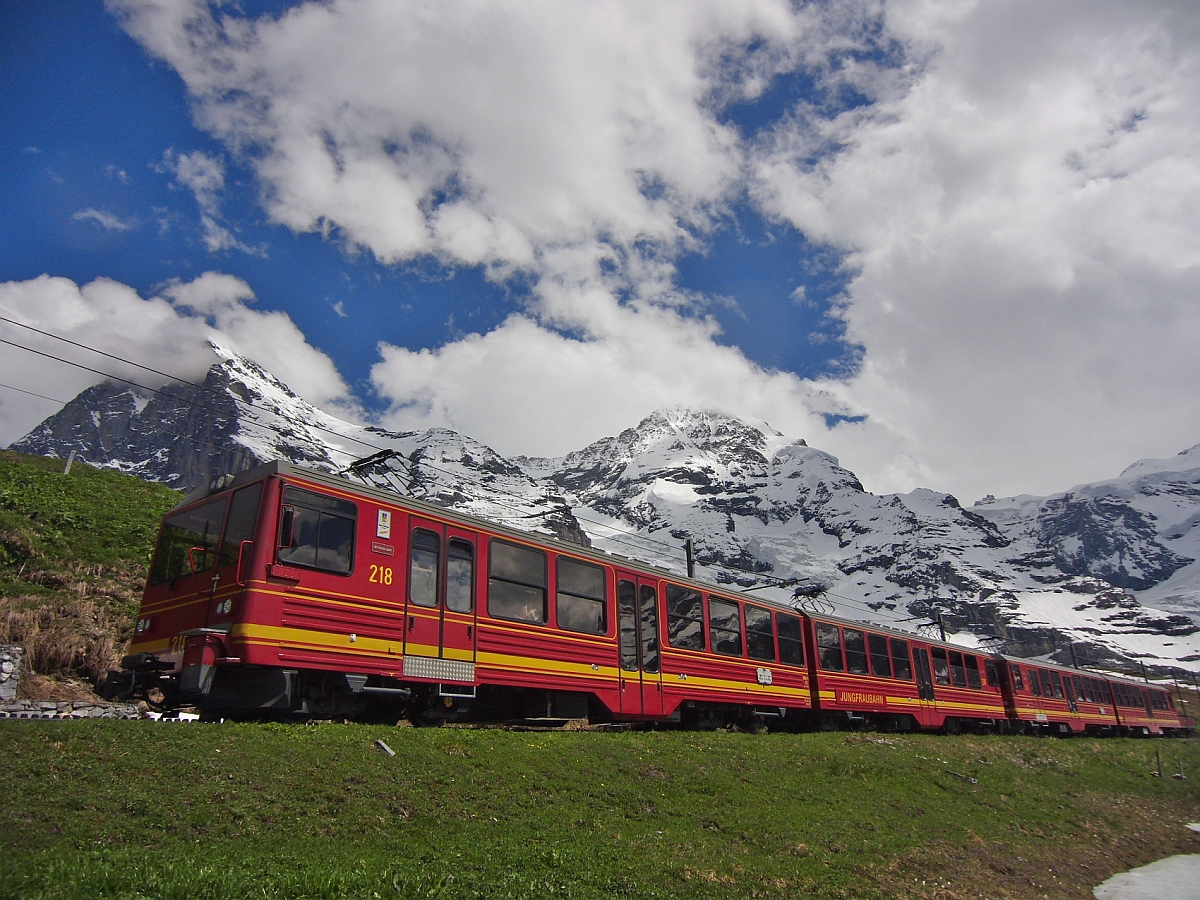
1145,677
1074,659
70,459
941,626
690,552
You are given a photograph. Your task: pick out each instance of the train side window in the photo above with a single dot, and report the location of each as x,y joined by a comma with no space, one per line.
958,673
829,647
881,665
1089,694
760,635
856,651
517,583
317,531
791,640
200,528
1056,683
1018,684
1047,686
725,626
1035,686
424,567
1079,694
991,672
243,513
941,669
901,664
685,618
460,576
972,666
582,600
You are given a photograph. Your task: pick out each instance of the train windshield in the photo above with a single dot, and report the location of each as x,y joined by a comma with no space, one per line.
188,539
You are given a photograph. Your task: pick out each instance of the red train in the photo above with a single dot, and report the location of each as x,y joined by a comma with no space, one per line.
293,593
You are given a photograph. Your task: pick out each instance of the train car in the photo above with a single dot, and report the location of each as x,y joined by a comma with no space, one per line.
897,680
1143,708
297,593
1054,699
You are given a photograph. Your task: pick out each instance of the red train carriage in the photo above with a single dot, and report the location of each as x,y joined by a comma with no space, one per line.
295,593
898,680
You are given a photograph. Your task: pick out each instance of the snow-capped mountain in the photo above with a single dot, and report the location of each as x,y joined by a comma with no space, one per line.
1109,570
240,415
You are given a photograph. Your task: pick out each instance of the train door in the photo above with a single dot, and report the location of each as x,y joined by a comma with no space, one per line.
637,635
440,601
233,558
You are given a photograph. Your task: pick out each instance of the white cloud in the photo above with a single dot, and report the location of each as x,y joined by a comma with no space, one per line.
1023,216
104,219
204,176
1018,206
169,333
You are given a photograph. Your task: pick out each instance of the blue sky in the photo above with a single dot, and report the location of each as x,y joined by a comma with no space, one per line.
953,244
89,116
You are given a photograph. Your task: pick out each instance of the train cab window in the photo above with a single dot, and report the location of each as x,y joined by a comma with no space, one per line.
760,634
317,531
1018,684
971,664
581,600
881,664
423,569
460,576
791,640
856,651
941,669
958,674
188,539
517,583
829,647
992,673
725,626
243,513
901,663
685,618
1056,683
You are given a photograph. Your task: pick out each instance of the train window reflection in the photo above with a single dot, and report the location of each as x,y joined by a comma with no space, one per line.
322,531
460,576
517,583
881,666
900,660
726,627
791,640
760,637
829,647
856,651
685,618
423,570
582,602
972,666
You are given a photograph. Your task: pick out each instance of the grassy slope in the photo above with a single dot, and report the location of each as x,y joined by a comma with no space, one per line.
73,556
139,809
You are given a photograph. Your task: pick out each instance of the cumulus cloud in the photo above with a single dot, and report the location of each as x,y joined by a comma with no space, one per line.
1013,187
169,332
1022,215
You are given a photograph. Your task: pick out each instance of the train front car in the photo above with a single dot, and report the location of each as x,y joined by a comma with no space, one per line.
196,589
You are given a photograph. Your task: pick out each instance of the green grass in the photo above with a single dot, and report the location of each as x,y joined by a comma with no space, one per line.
74,550
130,810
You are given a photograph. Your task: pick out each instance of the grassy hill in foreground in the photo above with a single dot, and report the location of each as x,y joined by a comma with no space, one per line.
155,810
74,550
